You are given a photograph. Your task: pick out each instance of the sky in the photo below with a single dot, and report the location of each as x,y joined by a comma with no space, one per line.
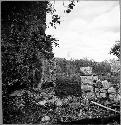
89,31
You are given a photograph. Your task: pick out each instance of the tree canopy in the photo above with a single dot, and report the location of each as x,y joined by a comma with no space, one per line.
115,50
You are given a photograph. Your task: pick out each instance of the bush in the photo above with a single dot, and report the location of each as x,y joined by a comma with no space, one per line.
68,85
73,78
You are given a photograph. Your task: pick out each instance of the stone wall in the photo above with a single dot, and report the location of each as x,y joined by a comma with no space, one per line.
88,79
48,71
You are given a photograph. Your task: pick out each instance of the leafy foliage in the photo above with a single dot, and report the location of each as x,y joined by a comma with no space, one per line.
102,68
70,67
115,50
55,18
70,6
24,43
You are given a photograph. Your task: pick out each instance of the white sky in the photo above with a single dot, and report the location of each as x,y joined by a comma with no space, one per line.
90,30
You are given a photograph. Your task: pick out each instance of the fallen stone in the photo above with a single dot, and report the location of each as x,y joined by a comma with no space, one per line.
111,96
42,102
45,119
117,98
103,95
58,102
111,90
106,84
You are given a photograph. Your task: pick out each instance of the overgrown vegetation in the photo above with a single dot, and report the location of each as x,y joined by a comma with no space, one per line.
73,66
115,50
24,46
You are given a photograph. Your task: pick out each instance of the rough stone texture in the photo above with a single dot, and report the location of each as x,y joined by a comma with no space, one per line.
45,119
111,90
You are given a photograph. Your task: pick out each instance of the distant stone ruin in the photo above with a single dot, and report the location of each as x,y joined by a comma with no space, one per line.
86,70
88,76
